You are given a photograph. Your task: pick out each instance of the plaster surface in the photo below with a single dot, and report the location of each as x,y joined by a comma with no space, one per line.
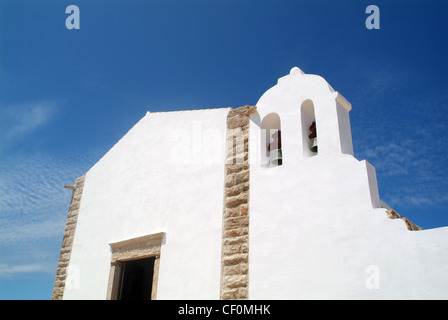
317,226
165,175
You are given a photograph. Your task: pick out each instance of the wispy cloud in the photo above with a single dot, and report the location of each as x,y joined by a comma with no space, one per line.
409,173
20,120
33,208
391,159
33,203
399,124
10,271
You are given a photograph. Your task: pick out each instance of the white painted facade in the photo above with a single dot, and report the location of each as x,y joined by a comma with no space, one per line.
316,226
159,177
317,229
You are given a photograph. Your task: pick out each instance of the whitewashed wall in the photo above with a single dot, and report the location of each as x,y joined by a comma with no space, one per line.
165,175
317,229
316,226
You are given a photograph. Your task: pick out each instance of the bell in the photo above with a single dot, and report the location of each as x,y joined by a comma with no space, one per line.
276,157
314,145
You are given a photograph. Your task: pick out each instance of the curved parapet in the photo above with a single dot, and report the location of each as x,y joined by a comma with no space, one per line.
291,99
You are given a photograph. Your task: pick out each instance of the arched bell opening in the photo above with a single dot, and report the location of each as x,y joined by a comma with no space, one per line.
309,129
271,141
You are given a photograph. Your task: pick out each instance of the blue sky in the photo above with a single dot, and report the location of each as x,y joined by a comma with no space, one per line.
67,96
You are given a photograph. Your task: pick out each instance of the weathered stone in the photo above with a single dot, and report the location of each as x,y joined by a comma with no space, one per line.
411,225
237,167
392,214
238,269
246,110
235,294
230,181
235,241
234,190
229,295
232,233
237,248
67,241
236,200
240,231
235,259
70,227
235,281
232,212
233,223
241,177
237,122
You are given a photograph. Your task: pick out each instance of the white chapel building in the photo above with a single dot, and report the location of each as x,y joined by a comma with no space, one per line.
256,202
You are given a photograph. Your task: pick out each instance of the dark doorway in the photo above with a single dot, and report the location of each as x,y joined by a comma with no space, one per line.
136,279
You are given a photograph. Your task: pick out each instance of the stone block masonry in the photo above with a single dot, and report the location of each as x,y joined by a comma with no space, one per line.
67,241
235,236
392,214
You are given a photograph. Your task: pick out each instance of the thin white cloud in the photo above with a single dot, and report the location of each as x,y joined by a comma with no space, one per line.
22,231
18,121
9,271
410,172
391,159
33,202
33,209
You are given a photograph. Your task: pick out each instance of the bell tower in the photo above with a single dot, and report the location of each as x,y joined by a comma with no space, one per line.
306,187
302,116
